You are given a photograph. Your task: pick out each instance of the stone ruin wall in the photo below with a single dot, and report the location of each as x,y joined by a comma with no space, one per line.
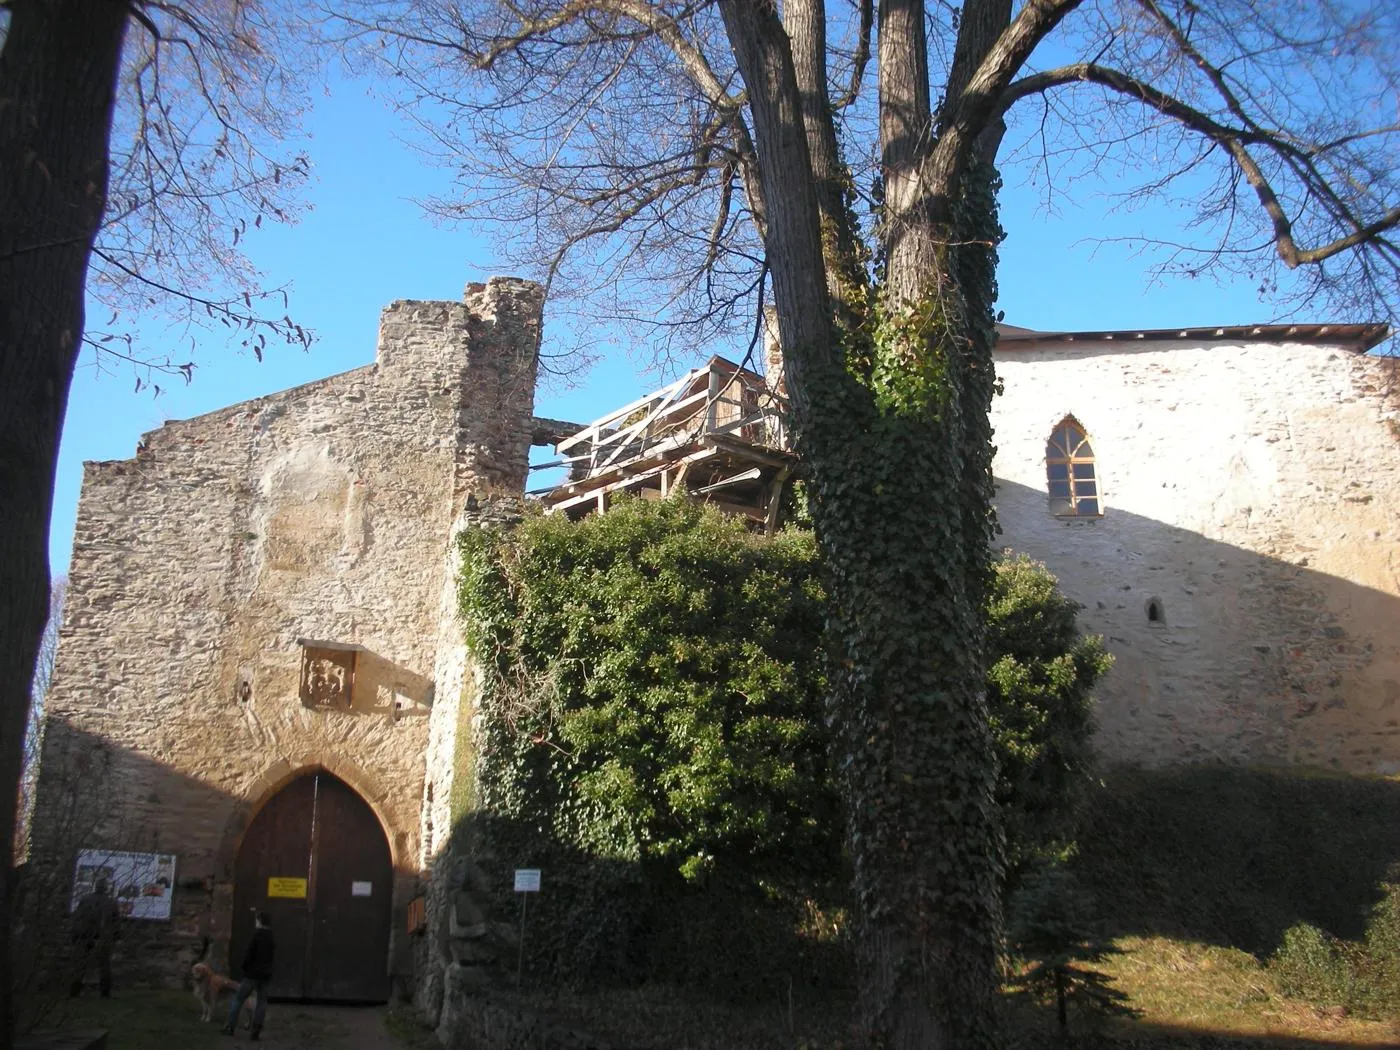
320,512
458,937
1255,492
1251,489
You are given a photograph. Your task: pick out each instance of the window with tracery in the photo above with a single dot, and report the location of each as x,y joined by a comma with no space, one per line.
1069,469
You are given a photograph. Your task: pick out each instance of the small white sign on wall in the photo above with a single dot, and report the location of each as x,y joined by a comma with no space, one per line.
527,880
361,889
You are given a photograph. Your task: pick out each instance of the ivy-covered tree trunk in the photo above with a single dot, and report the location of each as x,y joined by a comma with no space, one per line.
914,741
902,507
891,422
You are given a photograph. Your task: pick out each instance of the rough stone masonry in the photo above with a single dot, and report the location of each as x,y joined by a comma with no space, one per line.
1245,571
1243,565
205,566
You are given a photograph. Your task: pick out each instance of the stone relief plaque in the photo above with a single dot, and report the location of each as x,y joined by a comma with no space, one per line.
327,678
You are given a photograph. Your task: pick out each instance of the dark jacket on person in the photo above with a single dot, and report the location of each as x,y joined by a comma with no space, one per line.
96,919
257,960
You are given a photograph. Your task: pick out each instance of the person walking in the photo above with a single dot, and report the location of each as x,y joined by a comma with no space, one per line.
95,922
257,974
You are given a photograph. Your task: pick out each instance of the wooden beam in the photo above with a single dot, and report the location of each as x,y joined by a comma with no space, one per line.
681,475
628,409
642,428
630,480
775,501
752,474
744,450
659,455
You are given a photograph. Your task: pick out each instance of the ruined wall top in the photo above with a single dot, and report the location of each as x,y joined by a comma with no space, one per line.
319,512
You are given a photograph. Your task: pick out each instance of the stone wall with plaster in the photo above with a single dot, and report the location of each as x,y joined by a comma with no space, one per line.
448,785
201,566
1253,491
1250,491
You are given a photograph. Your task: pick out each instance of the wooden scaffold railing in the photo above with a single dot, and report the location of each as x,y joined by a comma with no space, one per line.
718,432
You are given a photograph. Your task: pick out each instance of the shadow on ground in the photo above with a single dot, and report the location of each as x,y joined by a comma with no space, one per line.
151,1018
1234,857
1155,1037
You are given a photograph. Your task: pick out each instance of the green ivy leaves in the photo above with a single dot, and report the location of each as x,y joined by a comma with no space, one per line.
663,665
657,682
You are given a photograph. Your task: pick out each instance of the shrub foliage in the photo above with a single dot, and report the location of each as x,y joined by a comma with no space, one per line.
657,684
1363,976
654,708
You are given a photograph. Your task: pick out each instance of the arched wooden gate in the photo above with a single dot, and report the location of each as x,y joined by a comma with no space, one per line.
316,859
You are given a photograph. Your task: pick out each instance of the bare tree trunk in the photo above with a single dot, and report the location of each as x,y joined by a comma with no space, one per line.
792,237
906,136
805,24
58,74
982,23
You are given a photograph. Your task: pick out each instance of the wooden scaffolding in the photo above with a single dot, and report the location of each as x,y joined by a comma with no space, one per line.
718,433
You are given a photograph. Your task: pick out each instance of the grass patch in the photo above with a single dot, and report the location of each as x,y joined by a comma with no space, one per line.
1251,904
141,1019
1192,995
1208,989
406,1025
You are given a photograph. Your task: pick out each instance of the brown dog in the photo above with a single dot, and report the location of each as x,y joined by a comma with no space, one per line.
209,986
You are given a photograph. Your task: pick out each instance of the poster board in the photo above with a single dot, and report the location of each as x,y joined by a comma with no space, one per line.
142,884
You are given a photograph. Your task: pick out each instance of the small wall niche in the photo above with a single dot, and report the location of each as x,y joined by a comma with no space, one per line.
1156,611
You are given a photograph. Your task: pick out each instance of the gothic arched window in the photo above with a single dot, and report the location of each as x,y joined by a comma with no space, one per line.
1069,468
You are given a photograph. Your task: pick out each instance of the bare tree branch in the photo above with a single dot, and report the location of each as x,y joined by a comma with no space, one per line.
1236,142
969,112
862,55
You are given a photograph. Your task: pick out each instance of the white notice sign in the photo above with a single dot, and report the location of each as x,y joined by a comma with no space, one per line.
361,889
527,880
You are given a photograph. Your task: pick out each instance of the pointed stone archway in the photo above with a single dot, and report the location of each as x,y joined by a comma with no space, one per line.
315,857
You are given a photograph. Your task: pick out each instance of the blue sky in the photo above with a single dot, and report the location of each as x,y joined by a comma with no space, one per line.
365,242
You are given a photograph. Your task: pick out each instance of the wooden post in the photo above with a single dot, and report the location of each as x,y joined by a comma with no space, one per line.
775,501
679,483
712,400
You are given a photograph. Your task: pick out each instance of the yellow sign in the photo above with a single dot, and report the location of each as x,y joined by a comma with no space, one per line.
287,888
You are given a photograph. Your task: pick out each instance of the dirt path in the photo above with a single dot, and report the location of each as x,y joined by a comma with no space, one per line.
292,1026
